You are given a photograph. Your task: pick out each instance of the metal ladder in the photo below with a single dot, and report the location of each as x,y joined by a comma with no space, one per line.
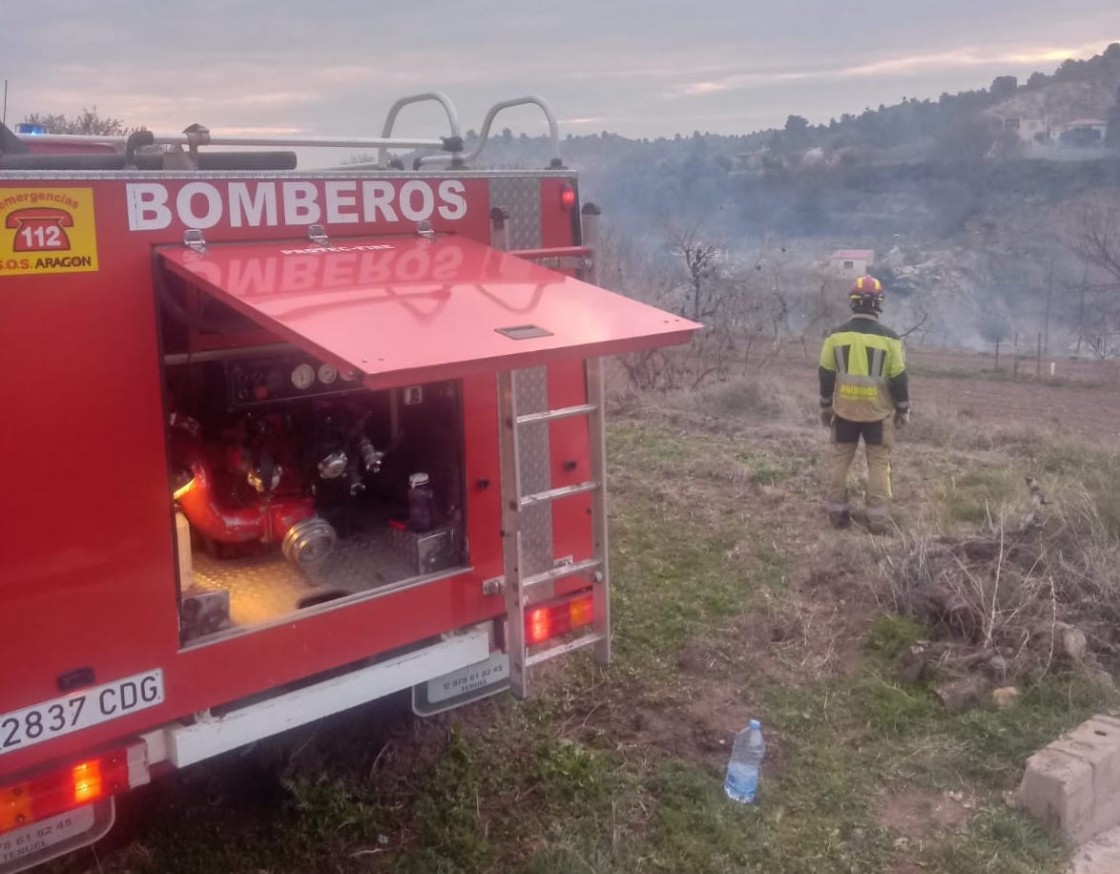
523,591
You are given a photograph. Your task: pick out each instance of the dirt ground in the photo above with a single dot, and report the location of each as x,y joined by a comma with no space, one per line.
1083,398
917,815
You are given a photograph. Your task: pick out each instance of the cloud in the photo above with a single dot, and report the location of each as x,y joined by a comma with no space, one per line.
964,58
699,88
902,65
646,67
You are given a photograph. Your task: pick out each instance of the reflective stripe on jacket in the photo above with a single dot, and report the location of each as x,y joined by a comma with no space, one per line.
863,371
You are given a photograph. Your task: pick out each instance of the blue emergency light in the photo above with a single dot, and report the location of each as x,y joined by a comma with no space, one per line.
26,128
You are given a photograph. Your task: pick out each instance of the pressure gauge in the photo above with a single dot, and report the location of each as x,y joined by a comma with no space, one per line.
303,377
327,374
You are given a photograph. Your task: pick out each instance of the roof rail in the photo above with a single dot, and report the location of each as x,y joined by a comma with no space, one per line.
452,145
394,110
484,135
203,137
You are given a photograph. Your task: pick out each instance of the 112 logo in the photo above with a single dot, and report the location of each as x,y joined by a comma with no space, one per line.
40,229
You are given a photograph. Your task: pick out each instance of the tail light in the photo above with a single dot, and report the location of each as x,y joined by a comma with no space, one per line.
547,621
73,786
567,197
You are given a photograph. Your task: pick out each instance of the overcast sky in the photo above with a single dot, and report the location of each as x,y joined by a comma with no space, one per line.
635,67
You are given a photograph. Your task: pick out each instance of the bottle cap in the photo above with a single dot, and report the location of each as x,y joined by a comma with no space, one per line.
755,724
417,479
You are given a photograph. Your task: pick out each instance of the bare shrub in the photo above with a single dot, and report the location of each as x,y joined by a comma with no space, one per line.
938,427
770,400
1016,589
954,428
707,356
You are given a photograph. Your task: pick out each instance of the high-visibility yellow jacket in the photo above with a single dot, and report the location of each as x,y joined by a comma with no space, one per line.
863,371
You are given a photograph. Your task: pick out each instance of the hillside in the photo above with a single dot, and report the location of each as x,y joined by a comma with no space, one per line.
958,126
976,201
1077,90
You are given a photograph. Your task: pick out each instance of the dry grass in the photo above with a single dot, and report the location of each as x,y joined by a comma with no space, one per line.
1020,589
949,427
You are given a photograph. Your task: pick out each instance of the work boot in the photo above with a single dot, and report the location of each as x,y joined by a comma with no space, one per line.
879,526
840,519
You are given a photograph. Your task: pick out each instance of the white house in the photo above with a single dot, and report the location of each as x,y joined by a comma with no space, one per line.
853,261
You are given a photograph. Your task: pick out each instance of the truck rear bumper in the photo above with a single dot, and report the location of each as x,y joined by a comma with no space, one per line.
182,745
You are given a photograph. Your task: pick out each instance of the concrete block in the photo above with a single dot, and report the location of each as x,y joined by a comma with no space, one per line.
1100,856
1057,790
1073,784
1103,808
1105,721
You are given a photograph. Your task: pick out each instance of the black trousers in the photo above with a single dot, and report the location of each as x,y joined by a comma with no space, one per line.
847,431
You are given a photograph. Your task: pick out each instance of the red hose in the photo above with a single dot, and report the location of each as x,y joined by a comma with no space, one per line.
265,523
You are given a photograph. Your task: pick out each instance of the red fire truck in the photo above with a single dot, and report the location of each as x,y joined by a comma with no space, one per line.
279,443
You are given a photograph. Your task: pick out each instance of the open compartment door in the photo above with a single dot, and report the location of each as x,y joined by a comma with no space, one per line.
403,310
333,466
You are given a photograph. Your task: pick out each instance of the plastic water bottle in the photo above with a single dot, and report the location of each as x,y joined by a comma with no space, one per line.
741,782
421,503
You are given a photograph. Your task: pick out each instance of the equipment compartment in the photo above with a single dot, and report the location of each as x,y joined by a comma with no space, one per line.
294,485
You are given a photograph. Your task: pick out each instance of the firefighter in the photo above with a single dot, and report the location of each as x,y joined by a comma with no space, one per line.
864,393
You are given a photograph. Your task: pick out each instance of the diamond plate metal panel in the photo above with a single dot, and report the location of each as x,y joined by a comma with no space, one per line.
264,587
520,198
535,469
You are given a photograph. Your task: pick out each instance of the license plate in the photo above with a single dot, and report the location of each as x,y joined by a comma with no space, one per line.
477,676
80,710
34,839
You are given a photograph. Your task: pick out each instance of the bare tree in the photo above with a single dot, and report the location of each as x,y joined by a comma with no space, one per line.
1098,233
86,122
1096,240
823,303
701,260
921,328
698,278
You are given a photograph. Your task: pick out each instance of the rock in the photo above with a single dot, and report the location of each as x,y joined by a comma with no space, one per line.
959,694
1074,643
996,667
1005,697
857,838
1103,677
912,664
